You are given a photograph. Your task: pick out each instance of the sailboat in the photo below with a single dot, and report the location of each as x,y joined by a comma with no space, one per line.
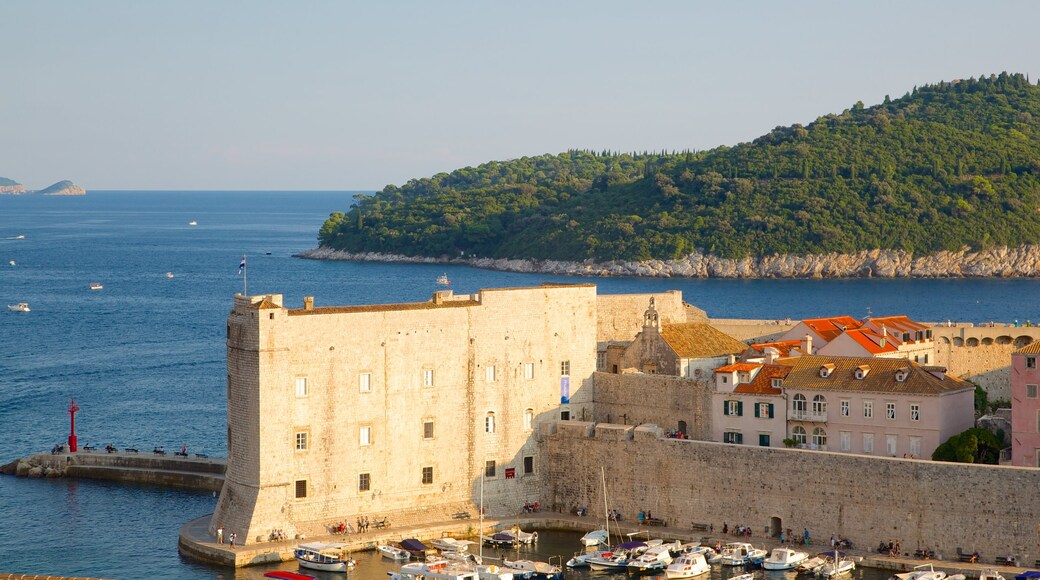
839,565
582,560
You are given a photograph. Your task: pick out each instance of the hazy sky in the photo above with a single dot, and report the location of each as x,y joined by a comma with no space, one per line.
357,95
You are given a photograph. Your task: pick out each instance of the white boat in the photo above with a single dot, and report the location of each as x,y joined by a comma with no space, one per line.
451,544
654,560
326,556
442,280
987,575
169,274
687,566
740,554
595,537
581,560
748,576
95,286
835,564
193,223
618,558
435,570
922,572
393,552
784,559
20,307
809,566
535,569
12,262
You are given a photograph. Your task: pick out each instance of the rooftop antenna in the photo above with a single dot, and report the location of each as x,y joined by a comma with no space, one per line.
869,313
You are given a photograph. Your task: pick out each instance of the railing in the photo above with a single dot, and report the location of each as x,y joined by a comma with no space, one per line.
805,415
813,446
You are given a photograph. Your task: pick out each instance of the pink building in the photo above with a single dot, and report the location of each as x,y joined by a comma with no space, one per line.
1025,406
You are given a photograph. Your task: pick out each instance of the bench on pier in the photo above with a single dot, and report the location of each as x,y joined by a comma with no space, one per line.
927,554
460,515
653,522
1006,561
967,556
700,527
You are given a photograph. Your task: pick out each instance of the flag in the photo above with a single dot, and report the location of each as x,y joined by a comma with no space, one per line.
242,266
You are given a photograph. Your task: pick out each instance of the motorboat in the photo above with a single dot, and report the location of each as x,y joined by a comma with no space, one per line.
784,559
809,566
417,549
443,280
687,565
193,223
740,554
95,286
986,575
595,537
20,307
169,275
451,544
393,552
523,537
494,572
835,564
617,559
535,569
434,570
499,540
922,572
581,559
654,560
287,575
325,556
11,262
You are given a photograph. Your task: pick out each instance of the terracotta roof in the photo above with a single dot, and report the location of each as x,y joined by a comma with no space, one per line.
762,384
900,323
1031,348
697,340
265,304
871,341
782,346
805,374
737,367
829,328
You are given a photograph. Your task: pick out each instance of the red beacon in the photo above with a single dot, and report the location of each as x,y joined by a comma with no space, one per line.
72,425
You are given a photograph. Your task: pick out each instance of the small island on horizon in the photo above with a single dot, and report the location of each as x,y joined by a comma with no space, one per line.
64,187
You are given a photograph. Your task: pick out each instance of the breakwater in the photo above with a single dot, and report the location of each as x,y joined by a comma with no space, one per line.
1002,262
198,473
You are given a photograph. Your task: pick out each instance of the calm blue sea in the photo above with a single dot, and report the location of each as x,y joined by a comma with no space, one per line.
144,356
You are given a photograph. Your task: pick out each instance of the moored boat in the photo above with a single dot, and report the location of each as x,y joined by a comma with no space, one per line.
451,544
535,569
286,575
595,538
748,576
393,552
435,570
417,549
809,566
617,559
581,559
741,554
325,556
784,559
922,572
687,565
835,564
654,560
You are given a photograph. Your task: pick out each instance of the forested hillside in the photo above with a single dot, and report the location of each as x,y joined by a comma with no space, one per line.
945,166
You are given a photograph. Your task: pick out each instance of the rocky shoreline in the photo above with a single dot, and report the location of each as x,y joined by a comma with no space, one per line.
1003,262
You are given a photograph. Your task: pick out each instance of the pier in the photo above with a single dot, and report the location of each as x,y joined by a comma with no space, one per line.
192,472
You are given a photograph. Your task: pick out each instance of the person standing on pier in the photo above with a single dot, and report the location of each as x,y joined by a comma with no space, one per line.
220,535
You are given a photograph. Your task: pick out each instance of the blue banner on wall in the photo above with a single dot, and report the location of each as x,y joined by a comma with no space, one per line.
565,390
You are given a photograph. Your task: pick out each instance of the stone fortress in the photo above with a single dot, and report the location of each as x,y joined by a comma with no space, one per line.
417,410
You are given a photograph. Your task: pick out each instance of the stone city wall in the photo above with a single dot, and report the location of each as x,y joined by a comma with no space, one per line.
921,504
634,399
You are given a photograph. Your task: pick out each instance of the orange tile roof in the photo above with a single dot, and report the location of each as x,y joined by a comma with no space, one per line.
1031,348
697,340
805,374
871,341
737,367
782,346
829,328
762,384
900,323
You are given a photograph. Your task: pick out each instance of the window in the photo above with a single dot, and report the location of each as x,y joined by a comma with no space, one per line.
489,469
1030,362
365,382
1038,421
365,437
427,429
925,359
764,410
489,373
845,408
601,360
777,383
763,439
732,437
1030,391
427,377
915,412
890,410
819,438
733,408
489,423
528,371
799,404
819,405
915,446
301,488
528,419
890,444
725,379
868,409
798,434
868,443
565,368
364,482
528,464
845,438
427,475
301,440
301,386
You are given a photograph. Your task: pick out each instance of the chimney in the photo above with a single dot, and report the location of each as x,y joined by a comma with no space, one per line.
770,356
807,344
308,303
732,359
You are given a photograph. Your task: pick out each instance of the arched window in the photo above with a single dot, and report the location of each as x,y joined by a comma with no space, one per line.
819,437
798,405
489,423
528,419
798,434
819,405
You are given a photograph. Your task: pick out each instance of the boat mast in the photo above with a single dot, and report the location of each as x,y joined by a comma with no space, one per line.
606,512
480,531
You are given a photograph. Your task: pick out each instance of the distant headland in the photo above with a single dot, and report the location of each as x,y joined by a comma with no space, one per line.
64,187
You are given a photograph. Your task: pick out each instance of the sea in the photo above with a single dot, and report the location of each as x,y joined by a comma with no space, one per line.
144,356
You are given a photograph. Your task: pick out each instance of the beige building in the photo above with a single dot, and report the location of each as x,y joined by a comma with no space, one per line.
337,412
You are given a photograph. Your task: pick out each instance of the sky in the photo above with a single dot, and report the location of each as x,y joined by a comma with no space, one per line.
343,95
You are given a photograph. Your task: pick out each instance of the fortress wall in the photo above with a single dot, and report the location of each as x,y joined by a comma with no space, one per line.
921,504
620,316
752,330
638,398
982,354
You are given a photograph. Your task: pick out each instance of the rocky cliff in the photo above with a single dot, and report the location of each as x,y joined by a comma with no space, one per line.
10,186
65,187
1020,262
